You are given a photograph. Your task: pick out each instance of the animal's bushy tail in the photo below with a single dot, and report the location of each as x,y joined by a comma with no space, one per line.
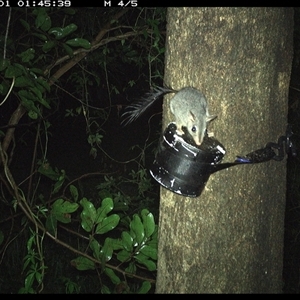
134,110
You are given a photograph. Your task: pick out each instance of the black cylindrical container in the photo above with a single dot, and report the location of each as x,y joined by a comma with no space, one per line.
184,168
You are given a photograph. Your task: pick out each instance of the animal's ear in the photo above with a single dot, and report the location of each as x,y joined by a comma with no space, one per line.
210,118
192,116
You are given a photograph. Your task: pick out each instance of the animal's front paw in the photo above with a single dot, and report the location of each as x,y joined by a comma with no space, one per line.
210,134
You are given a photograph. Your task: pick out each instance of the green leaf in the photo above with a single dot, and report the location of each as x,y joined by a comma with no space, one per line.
27,100
95,247
42,20
36,92
113,277
137,227
38,71
43,84
58,184
38,277
13,71
149,251
105,289
4,63
60,32
108,224
153,242
123,256
107,205
148,222
48,45
88,214
24,291
25,24
145,288
74,192
40,36
27,55
61,210
29,105
40,16
149,264
39,97
82,263
23,81
56,31
51,224
48,171
131,268
47,23
29,281
127,241
32,115
68,49
78,42
26,95
62,206
115,244
106,251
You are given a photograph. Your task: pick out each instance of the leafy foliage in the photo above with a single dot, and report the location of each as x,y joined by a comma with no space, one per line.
109,235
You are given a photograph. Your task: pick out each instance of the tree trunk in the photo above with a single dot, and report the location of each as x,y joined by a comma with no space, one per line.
230,239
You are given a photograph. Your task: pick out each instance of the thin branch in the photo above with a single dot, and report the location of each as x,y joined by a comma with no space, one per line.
9,91
6,34
77,52
95,44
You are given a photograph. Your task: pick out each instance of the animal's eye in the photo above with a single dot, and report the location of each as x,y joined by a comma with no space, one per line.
194,129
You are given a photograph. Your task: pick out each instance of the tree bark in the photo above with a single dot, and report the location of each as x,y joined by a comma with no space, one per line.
230,239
